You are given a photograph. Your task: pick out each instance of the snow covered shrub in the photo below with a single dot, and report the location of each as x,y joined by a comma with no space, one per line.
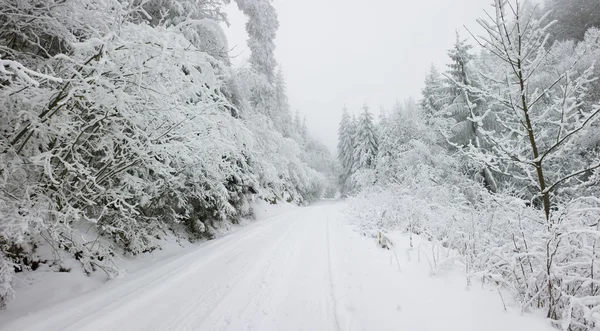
574,276
6,274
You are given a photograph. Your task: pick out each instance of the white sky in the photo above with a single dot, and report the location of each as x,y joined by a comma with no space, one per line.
348,52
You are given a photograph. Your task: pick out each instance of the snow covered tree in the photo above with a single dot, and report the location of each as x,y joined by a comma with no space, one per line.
543,117
365,141
283,113
158,12
464,107
406,145
345,150
262,27
460,106
433,94
319,157
457,73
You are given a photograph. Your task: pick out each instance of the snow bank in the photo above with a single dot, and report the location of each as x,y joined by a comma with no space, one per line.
47,286
404,289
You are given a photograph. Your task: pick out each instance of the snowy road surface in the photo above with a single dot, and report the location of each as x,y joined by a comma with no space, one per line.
300,270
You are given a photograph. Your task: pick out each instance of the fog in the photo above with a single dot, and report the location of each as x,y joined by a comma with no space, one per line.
349,52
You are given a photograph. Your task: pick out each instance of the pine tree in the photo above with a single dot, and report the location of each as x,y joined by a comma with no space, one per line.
434,96
457,69
365,141
282,115
465,107
346,149
298,122
345,142
262,28
304,129
460,104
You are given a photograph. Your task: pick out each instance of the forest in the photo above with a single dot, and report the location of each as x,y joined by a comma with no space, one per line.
497,159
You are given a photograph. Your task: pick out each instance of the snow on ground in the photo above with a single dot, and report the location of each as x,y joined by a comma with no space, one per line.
46,287
295,269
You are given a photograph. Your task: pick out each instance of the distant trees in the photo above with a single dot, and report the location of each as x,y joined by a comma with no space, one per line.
434,96
365,141
357,147
345,150
572,18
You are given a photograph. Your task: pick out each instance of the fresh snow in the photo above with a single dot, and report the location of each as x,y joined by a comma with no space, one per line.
294,269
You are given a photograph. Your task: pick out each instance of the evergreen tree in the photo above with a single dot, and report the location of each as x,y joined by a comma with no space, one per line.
460,104
345,142
346,149
298,121
304,129
465,107
365,141
433,93
282,115
262,28
460,56
353,127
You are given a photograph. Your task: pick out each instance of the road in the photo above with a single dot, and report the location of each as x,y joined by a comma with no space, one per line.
300,270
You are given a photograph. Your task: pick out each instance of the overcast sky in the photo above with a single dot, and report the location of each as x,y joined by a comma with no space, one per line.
351,52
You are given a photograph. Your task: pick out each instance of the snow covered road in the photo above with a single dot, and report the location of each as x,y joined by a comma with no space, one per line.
300,270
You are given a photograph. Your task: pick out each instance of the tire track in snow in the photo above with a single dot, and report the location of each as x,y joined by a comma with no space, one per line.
195,272
267,303
274,275
226,303
267,283
210,283
330,269
238,266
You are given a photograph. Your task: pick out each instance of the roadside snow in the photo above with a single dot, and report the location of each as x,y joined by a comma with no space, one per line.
295,269
45,287
376,294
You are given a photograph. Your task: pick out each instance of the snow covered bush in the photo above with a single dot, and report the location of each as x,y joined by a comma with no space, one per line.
6,275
